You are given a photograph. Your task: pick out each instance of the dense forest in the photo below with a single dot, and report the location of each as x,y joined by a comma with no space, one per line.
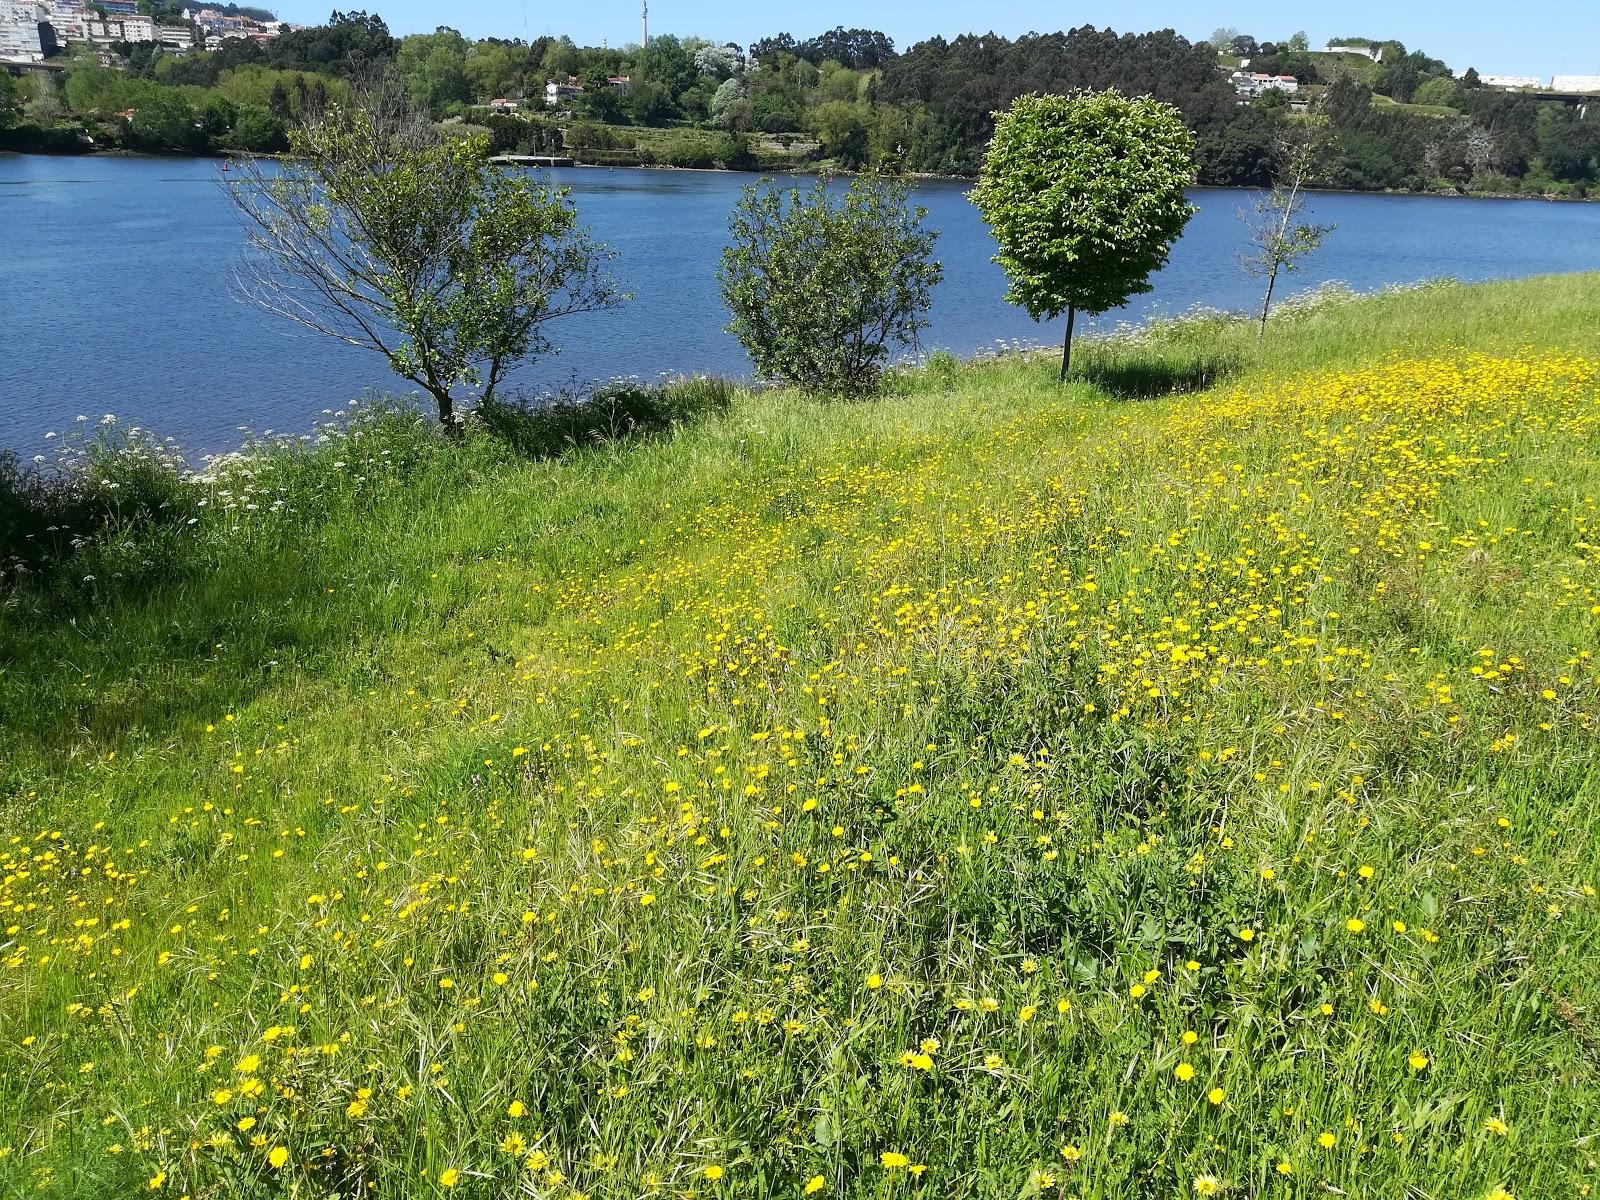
845,98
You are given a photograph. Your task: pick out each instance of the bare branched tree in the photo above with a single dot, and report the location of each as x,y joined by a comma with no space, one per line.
1278,238
381,235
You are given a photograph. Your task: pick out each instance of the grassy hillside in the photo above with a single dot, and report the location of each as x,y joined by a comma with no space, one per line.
999,790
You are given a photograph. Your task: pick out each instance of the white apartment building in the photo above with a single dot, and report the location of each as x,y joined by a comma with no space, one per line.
175,37
25,34
119,28
66,17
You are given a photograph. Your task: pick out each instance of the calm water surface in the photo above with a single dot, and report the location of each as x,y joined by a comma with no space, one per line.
116,288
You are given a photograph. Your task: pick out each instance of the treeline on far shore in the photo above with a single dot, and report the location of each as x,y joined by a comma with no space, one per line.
845,99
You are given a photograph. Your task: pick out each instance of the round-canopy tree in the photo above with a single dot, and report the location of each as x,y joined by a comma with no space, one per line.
1085,196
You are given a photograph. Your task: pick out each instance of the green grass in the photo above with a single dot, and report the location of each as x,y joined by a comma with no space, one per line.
1421,110
945,777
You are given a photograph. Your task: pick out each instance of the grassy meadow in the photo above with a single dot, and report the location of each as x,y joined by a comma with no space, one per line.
1179,783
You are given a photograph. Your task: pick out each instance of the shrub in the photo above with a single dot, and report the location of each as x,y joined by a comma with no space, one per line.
941,370
696,155
551,427
733,151
29,138
822,283
108,479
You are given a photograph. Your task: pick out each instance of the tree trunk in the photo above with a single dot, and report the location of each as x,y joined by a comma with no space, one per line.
447,413
1272,282
1066,344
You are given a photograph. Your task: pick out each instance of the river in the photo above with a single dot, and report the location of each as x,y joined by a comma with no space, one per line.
117,294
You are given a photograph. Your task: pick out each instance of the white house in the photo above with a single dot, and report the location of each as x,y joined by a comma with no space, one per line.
1253,83
555,92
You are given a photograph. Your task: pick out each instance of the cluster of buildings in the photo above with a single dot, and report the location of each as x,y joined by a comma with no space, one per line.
1247,85
218,26
33,30
556,91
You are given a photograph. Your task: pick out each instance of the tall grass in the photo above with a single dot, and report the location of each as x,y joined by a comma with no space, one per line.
997,790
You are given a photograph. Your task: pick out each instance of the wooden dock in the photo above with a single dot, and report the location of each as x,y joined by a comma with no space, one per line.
534,160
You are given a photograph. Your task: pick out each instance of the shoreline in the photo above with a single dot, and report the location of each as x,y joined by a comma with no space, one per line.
817,169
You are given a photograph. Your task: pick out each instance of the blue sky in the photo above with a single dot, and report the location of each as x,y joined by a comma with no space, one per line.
1538,38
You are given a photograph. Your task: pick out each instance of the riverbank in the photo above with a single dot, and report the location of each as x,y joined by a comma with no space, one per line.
802,169
1178,782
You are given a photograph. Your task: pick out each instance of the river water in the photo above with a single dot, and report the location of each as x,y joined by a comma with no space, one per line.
117,288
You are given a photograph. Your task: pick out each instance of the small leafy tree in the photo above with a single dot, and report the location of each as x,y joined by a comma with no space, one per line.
380,235
1278,238
1085,196
822,283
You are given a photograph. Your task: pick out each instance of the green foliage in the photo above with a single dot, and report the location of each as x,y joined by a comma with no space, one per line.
599,101
843,133
550,427
373,226
1085,196
256,130
821,285
1440,90
163,120
106,482
10,100
668,64
350,45
524,135
434,67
